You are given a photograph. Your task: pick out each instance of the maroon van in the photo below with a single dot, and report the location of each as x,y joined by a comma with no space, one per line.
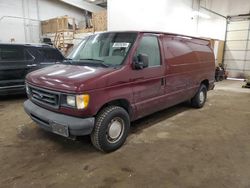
113,78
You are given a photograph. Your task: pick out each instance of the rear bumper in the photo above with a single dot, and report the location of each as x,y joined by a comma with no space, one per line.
44,118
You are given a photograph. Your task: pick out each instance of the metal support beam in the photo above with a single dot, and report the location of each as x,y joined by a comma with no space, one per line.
216,13
84,5
18,17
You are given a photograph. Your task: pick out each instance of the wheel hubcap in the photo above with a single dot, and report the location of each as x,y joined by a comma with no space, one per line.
202,97
115,130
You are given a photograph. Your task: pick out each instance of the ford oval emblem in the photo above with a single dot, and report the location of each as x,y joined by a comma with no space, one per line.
39,96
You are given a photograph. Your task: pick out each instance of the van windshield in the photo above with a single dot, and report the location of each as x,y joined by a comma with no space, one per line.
109,49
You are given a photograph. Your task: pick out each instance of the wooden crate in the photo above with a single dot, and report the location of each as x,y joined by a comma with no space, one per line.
54,25
100,21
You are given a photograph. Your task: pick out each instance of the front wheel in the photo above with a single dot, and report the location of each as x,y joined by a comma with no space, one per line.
200,97
111,128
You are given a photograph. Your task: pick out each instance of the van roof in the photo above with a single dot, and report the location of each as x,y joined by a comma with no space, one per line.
160,32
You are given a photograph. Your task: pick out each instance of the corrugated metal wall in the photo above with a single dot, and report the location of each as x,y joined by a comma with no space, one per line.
237,51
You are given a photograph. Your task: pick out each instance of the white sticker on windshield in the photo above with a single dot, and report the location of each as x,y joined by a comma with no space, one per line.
121,45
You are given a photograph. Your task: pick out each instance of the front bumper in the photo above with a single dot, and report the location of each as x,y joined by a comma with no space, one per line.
45,118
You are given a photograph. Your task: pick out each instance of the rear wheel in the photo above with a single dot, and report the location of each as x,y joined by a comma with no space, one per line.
200,97
111,128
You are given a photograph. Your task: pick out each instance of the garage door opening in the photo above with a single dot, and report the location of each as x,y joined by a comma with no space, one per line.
237,49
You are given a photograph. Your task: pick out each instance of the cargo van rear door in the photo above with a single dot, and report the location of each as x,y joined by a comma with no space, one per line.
148,84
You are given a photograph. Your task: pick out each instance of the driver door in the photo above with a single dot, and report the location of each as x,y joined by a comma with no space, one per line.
148,84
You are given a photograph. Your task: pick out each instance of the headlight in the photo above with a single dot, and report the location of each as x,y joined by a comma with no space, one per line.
71,101
78,101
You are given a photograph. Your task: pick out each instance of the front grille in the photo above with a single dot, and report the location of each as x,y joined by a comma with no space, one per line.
44,96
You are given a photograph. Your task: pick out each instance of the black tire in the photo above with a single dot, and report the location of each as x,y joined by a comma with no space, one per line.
197,101
106,120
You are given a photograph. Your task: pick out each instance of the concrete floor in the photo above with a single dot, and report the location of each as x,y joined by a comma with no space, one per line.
178,147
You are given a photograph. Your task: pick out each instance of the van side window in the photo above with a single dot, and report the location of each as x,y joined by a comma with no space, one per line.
149,45
50,54
28,55
10,53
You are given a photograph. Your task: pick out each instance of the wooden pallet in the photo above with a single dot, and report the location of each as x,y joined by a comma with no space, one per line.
89,30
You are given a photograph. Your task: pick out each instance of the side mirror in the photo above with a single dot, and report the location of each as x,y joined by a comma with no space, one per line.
140,61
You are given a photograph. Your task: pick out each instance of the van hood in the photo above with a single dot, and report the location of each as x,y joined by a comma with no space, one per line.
69,78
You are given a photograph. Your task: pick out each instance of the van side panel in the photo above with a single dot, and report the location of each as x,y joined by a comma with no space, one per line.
189,62
206,58
181,61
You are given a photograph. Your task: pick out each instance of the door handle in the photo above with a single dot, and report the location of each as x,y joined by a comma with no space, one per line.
163,81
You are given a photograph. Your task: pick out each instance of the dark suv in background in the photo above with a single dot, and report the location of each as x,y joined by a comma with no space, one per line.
17,60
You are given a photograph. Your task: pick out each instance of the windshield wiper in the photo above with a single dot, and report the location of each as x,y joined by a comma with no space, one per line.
97,61
91,59
67,60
